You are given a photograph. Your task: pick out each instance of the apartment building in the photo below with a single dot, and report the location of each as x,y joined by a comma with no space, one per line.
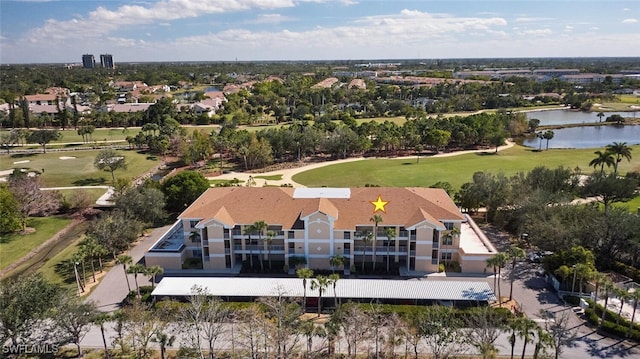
417,229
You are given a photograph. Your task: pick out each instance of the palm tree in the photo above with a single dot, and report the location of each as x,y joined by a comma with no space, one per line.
501,261
90,248
249,230
260,227
164,340
602,159
333,280
320,283
366,238
125,260
390,233
270,235
100,320
526,331
607,287
623,295
515,253
598,280
620,150
600,116
135,270
336,261
376,219
548,135
634,296
153,272
493,263
304,273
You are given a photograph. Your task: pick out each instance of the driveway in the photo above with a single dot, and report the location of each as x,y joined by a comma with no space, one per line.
112,289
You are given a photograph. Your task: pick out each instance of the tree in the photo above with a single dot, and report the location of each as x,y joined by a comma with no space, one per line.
163,339
352,319
367,237
115,231
145,204
607,287
634,296
282,324
376,219
390,233
333,280
560,332
31,200
139,327
304,274
486,326
441,331
600,116
320,283
609,189
73,317
205,316
526,330
183,189
135,270
100,319
602,158
110,160
153,272
43,137
260,227
497,139
548,135
515,253
92,249
25,301
125,260
270,236
620,150
336,261
533,124
501,260
10,218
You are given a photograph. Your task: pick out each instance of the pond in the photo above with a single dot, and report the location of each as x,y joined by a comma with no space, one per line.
565,117
589,137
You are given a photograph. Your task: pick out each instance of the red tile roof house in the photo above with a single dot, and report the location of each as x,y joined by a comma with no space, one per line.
320,223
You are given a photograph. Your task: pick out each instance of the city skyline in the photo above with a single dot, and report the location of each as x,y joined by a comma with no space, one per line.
41,31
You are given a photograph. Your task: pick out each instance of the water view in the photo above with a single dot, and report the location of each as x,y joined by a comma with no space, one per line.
589,137
566,117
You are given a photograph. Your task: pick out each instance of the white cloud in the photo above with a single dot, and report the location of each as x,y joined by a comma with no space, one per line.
629,21
568,28
537,32
348,2
526,19
103,21
270,19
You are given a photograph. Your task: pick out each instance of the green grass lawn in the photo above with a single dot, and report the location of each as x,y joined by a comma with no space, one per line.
48,269
15,246
77,171
94,193
276,177
455,170
632,205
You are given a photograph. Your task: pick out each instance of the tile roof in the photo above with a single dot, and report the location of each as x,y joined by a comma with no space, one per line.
278,206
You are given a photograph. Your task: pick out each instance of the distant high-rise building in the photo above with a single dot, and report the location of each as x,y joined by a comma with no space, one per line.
107,61
88,61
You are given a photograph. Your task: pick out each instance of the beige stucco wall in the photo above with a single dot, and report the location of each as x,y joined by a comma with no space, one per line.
164,261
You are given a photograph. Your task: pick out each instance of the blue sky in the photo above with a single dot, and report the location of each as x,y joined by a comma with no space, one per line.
42,31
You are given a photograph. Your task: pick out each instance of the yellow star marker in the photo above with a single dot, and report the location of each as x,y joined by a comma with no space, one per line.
378,205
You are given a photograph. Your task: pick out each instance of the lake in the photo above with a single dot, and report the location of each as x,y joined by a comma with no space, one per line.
589,137
565,117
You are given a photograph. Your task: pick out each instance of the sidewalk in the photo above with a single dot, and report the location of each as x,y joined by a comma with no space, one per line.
112,289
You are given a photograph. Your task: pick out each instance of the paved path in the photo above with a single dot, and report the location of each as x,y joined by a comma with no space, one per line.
288,173
112,289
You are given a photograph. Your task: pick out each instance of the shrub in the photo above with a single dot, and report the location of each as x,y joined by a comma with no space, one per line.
572,299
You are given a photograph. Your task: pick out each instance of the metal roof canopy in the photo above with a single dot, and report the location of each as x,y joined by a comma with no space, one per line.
345,288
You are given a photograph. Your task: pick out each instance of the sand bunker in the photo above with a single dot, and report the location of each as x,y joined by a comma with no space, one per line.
19,162
67,158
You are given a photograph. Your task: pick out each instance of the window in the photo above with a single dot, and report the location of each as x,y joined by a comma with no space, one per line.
197,252
347,235
446,256
291,235
447,240
448,225
193,223
434,256
225,233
